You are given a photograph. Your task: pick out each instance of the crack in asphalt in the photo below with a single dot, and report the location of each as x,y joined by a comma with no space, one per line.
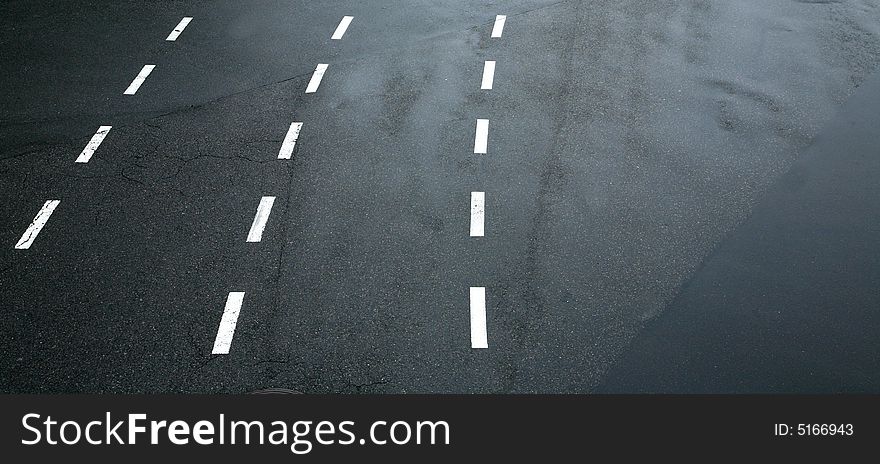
276,299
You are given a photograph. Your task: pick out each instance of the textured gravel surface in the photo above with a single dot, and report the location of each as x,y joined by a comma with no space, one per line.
627,139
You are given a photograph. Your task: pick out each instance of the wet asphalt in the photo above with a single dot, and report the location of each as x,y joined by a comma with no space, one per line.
678,196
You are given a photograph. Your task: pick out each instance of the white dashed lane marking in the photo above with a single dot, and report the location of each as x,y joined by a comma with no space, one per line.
343,26
37,225
479,335
290,141
263,211
93,144
499,26
141,77
478,214
227,323
177,30
315,81
488,75
481,139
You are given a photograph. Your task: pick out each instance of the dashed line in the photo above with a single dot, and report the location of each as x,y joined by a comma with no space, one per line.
499,26
141,77
478,214
488,75
93,144
37,225
262,216
479,335
290,141
343,26
315,81
227,323
177,30
481,140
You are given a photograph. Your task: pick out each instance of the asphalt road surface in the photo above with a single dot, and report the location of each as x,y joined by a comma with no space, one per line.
346,196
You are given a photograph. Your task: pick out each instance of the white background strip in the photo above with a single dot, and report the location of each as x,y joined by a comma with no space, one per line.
478,214
263,211
315,81
93,144
488,75
227,323
499,25
177,30
141,77
479,335
37,225
481,140
290,141
343,26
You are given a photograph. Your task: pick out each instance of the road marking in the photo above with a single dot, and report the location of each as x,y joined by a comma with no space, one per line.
177,30
479,335
481,140
343,26
316,78
499,26
93,144
141,77
478,214
290,141
488,75
227,323
37,225
256,233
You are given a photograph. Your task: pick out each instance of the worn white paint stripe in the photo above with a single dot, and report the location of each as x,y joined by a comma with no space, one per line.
478,214
37,225
177,30
141,77
93,144
290,141
263,211
499,25
315,81
481,140
479,335
343,26
488,75
227,323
